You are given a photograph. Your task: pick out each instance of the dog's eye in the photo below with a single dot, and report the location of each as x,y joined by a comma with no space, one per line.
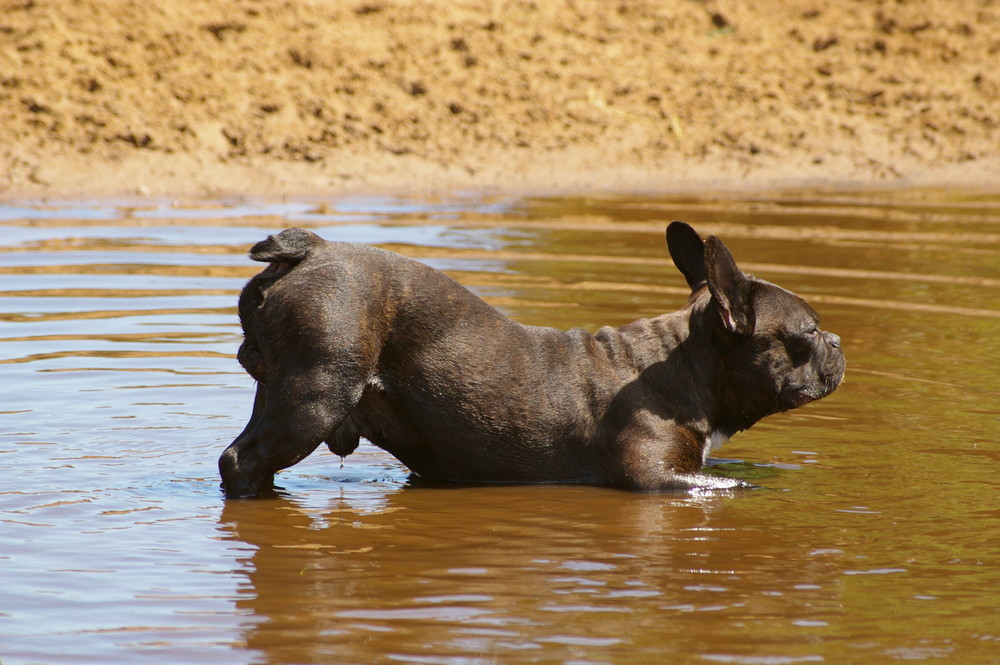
809,329
800,346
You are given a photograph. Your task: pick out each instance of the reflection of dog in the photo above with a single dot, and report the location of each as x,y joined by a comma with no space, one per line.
348,341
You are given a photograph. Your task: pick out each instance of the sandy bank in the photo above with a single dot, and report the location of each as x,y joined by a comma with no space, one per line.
103,97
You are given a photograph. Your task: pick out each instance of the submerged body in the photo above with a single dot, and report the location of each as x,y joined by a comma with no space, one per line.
349,341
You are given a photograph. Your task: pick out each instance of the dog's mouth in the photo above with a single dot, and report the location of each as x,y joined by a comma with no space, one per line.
792,396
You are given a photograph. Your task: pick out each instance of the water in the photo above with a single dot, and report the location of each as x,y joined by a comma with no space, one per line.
875,540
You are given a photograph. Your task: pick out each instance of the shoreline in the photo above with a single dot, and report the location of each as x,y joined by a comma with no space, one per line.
183,177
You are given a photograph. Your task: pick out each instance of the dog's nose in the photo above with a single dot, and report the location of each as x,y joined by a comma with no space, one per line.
833,339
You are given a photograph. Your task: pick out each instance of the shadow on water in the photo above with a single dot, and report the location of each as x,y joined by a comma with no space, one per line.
873,542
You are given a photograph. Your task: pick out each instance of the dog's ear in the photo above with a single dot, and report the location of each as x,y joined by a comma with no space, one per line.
688,252
730,288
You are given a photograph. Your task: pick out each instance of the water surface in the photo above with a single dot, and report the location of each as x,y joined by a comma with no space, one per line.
874,540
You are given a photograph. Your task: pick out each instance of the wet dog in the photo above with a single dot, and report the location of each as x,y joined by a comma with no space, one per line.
348,341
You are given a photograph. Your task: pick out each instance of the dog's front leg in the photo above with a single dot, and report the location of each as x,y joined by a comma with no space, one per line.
658,456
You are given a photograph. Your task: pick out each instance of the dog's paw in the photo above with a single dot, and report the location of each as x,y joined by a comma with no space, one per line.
704,483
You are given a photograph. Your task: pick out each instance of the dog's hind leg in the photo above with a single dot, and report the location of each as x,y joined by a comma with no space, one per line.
290,419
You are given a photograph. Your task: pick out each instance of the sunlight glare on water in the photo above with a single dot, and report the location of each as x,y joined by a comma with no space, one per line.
873,540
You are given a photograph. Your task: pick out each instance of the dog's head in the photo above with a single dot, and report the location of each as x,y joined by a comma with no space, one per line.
773,355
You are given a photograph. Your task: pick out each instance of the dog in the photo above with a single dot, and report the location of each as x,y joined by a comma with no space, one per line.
348,341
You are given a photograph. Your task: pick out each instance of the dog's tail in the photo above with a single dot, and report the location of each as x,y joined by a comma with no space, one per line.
290,246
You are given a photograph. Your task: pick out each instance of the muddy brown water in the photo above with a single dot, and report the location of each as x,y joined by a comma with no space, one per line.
876,537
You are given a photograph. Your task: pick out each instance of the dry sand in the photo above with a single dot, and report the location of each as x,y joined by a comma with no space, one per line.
205,97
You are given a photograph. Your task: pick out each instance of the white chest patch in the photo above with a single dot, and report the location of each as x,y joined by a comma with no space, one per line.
713,441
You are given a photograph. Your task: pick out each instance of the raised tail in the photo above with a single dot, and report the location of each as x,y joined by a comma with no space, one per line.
289,246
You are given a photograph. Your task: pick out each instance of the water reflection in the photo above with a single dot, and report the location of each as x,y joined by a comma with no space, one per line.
495,571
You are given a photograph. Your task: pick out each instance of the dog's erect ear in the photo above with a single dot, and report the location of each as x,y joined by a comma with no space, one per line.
688,252
730,288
